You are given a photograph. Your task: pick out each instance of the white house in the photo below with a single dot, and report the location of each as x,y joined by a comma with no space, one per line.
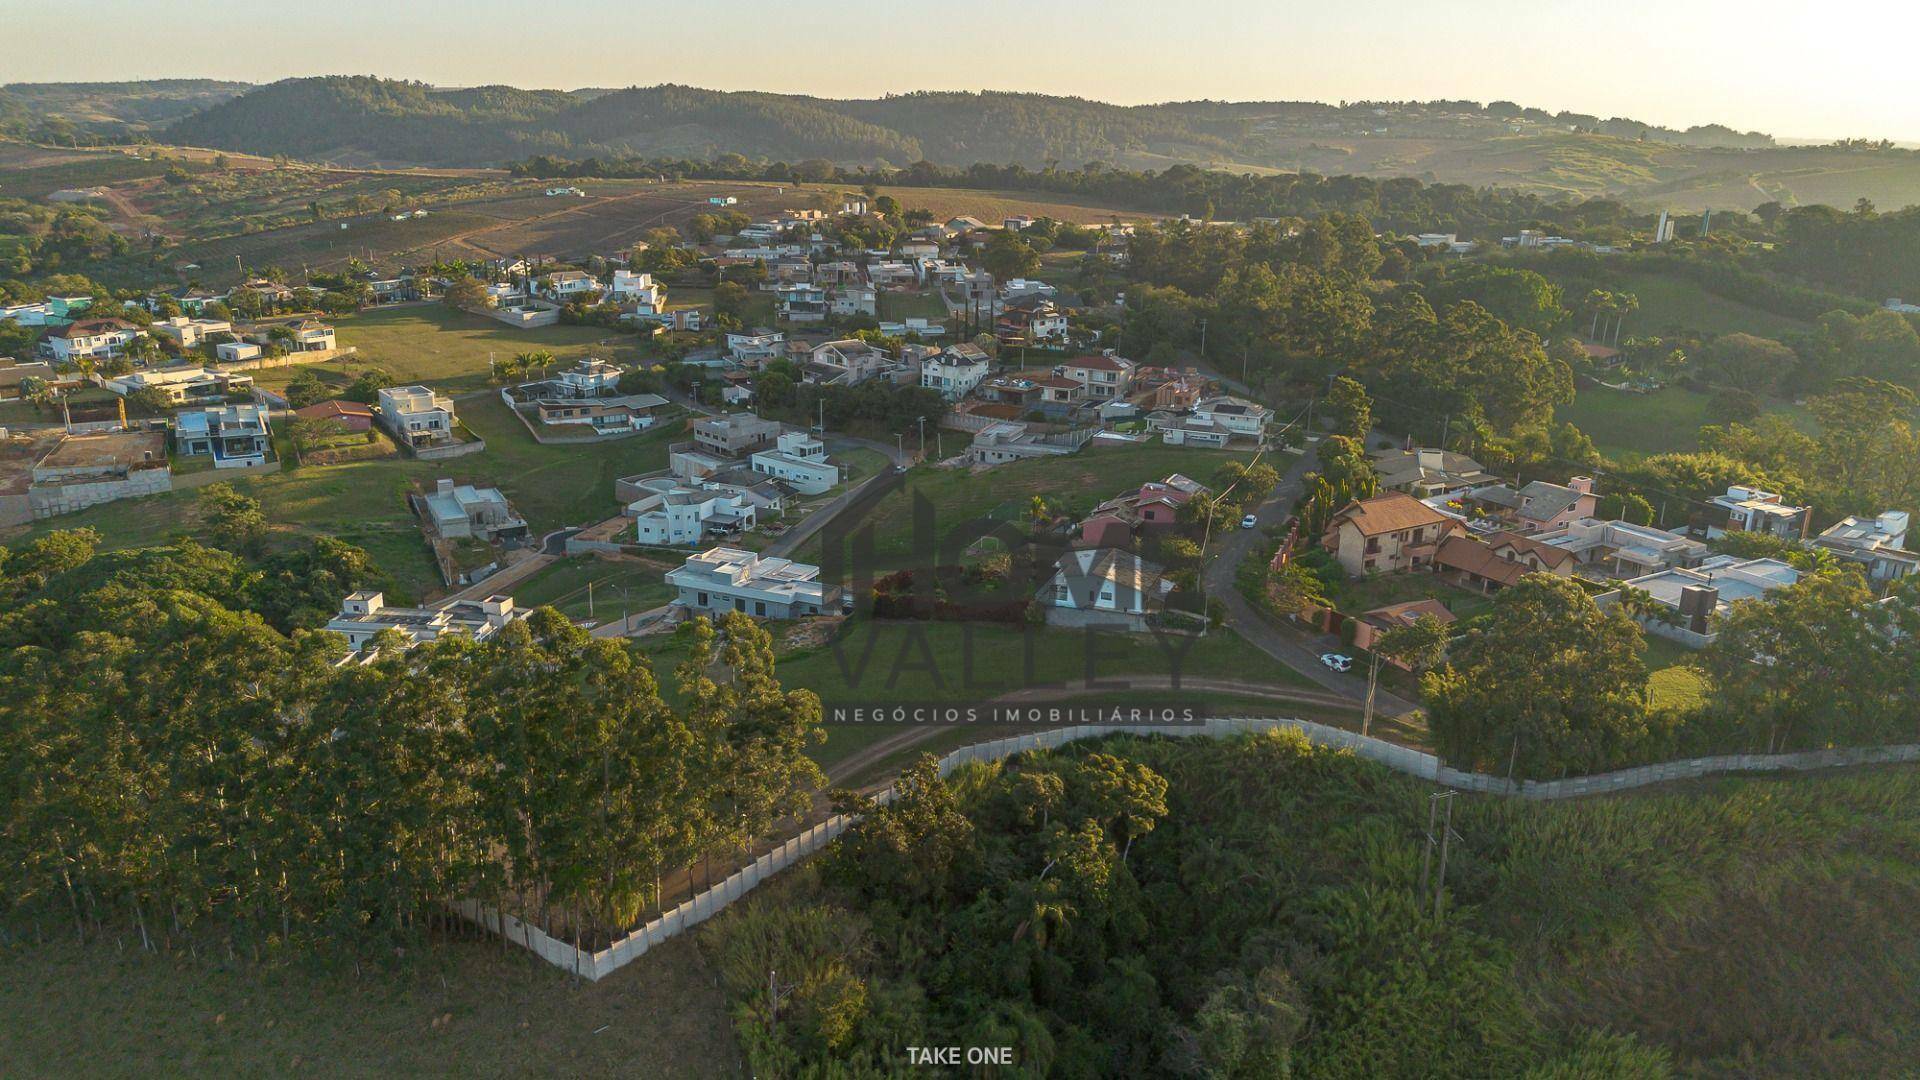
1092,585
1878,543
727,579
416,415
590,378
1236,415
567,284
366,613
800,460
179,385
955,372
1749,509
235,436
688,516
757,346
96,339
188,332
637,287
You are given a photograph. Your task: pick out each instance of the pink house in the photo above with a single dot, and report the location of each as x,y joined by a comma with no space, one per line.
1105,531
1539,506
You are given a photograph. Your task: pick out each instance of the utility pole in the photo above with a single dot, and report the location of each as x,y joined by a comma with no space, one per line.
1440,883
1203,339
589,598
1373,681
923,438
1433,816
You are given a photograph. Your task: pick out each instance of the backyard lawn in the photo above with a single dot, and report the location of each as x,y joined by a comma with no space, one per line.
898,306
1672,683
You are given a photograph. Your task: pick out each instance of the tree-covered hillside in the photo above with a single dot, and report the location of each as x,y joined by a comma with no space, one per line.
1260,907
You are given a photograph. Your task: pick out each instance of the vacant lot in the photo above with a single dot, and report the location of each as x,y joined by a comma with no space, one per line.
1623,424
451,350
463,1009
588,587
1072,484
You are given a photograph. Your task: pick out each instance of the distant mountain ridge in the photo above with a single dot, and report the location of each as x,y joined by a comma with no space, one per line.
361,119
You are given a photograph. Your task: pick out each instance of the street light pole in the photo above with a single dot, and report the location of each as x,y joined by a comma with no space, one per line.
923,438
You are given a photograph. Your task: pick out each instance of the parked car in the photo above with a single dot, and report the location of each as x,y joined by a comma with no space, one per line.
1251,521
1336,661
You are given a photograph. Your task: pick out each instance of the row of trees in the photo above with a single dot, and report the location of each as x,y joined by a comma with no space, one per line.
182,759
1551,684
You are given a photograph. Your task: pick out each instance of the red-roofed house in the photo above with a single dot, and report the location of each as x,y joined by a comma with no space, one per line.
350,415
1387,533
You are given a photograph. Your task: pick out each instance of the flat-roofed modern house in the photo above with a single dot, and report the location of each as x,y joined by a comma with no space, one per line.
726,579
734,434
757,346
1623,549
235,436
416,416
458,511
86,470
684,515
799,460
364,614
183,384
1696,595
1749,509
188,332
1877,543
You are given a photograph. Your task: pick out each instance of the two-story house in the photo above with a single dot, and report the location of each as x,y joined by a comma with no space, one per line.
955,371
1104,377
235,436
90,339
1387,533
728,579
416,415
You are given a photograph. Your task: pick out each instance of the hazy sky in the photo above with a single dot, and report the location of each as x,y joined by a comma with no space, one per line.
1792,68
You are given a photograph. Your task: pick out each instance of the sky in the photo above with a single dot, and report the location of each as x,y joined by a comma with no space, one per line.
1787,67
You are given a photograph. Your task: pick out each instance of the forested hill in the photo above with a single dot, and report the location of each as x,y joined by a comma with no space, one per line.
376,119
364,120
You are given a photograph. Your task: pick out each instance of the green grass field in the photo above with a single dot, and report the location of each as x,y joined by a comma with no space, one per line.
565,586
1672,682
364,502
450,350
1623,424
1074,483
464,1009
896,306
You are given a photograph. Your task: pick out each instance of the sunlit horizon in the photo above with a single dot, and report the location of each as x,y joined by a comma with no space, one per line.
1803,75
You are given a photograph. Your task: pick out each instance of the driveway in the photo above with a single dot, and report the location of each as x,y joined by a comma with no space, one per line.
1295,650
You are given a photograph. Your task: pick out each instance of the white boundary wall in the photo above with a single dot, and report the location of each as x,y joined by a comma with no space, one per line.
598,965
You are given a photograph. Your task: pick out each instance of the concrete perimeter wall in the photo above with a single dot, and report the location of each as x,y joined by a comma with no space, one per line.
598,965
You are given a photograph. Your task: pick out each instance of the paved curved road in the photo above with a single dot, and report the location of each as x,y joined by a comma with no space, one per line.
1292,649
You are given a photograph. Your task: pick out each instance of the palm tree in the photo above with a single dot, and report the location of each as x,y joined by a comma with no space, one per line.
1624,304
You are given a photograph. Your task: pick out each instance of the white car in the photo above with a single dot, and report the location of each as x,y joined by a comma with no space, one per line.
1250,522
1336,661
